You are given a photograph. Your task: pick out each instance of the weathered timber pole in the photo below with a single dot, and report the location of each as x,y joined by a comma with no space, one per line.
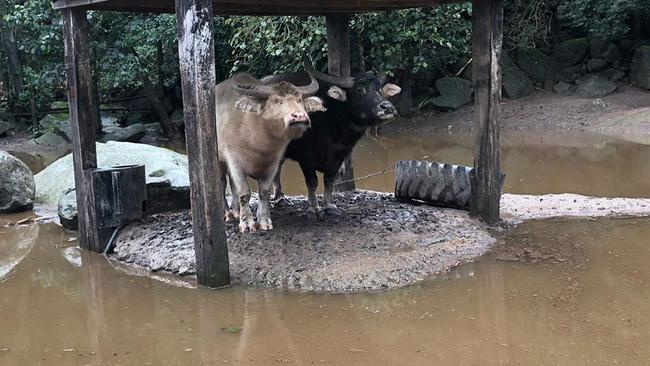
83,119
338,63
487,39
196,53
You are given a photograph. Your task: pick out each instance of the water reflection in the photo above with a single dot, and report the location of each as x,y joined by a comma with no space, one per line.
578,297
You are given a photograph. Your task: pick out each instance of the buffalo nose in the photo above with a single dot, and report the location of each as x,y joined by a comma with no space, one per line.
386,106
299,116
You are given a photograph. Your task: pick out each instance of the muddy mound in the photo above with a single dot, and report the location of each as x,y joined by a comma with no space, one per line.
377,243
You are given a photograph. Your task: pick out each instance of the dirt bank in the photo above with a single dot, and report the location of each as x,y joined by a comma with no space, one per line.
377,243
624,114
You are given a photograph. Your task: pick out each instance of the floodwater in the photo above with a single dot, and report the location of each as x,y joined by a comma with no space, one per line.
571,292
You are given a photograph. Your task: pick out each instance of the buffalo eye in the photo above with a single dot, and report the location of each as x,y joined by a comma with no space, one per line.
360,90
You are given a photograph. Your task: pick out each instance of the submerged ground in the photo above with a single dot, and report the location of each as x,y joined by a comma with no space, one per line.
553,292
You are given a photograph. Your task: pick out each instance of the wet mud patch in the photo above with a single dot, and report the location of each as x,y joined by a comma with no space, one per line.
377,243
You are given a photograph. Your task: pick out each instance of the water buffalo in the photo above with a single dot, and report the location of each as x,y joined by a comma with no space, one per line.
255,122
354,104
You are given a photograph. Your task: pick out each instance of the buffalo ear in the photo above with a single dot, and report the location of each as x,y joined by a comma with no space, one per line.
390,90
337,93
314,104
248,105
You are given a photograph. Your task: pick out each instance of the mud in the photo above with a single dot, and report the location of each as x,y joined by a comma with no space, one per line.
377,243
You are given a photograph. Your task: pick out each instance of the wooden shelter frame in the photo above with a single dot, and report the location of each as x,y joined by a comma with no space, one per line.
197,69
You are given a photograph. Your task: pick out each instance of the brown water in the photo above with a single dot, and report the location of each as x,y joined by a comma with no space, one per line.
562,293
534,164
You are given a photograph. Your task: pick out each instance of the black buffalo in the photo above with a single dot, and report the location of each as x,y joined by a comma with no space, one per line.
353,105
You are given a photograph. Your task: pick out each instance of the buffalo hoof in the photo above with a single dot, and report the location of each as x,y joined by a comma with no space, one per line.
266,225
313,214
282,201
332,211
247,224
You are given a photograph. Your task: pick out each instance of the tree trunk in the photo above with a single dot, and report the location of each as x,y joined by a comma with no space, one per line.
15,69
169,128
406,96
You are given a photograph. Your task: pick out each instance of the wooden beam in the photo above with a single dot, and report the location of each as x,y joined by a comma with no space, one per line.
338,63
256,7
487,39
196,53
83,119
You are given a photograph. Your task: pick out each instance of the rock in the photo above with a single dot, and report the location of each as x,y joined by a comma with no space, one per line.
51,139
572,73
57,178
605,50
596,64
454,93
132,133
516,83
640,67
16,184
571,51
595,86
612,75
4,127
538,66
564,88
67,210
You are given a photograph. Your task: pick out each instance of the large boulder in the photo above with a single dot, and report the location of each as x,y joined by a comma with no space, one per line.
51,139
454,93
161,165
516,83
571,52
605,50
595,86
596,65
640,67
16,184
538,66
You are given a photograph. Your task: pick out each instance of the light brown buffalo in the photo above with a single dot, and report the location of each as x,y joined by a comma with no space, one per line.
255,122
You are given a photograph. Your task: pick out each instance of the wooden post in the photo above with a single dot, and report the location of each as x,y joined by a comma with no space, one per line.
83,119
487,39
196,53
338,63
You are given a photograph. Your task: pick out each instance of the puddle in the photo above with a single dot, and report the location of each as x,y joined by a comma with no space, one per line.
585,303
541,163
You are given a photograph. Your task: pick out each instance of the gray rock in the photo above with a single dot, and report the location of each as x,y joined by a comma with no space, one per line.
538,66
133,133
596,65
17,186
67,210
51,139
612,74
640,67
595,86
604,49
4,127
571,51
564,88
572,73
454,93
516,83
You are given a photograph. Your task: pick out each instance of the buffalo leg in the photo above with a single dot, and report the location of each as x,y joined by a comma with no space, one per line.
328,206
312,184
263,209
277,183
238,180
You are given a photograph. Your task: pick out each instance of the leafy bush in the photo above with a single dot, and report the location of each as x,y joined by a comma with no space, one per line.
604,18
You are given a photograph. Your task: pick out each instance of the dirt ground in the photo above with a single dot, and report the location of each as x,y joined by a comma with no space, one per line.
625,114
377,243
